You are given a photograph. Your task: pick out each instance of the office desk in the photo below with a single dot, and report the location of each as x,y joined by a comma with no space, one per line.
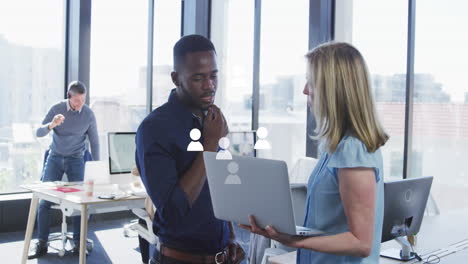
441,235
76,201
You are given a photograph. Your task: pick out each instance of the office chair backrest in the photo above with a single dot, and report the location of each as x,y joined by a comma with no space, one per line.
302,170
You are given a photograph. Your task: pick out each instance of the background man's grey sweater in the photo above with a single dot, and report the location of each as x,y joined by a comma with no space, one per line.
69,138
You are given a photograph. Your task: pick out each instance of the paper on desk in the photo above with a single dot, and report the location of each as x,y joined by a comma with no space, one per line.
66,189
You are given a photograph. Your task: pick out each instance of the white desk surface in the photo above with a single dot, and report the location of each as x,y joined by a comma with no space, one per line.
79,197
80,202
437,234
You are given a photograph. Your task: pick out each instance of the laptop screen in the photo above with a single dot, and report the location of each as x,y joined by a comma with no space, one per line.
121,152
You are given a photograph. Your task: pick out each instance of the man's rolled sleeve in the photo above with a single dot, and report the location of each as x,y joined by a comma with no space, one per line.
94,138
44,129
159,175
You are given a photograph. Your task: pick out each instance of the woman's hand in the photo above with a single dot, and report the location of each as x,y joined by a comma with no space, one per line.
270,232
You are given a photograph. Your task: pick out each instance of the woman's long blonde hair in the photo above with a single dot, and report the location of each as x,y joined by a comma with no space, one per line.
343,103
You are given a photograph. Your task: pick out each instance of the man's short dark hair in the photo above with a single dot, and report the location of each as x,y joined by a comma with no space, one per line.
188,44
76,87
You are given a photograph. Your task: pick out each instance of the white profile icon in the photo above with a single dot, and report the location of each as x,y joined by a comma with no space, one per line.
195,145
262,143
224,153
233,178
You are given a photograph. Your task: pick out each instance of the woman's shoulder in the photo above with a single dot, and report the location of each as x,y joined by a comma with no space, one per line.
352,152
350,144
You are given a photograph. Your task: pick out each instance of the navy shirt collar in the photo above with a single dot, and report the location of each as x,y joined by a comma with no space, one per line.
181,111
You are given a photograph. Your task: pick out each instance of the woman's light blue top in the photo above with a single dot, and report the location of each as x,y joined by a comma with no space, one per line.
324,208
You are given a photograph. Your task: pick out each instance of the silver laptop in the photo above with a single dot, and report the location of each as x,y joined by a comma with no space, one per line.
247,186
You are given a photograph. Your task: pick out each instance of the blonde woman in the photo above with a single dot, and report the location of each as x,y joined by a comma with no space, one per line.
345,190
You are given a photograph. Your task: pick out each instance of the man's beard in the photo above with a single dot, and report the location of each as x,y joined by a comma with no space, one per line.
192,101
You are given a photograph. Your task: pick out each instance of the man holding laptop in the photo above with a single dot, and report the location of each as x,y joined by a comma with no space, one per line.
174,177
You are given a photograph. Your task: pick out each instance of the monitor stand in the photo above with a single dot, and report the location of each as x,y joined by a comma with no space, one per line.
403,254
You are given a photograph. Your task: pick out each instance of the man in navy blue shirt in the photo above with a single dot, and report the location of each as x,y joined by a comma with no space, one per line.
174,177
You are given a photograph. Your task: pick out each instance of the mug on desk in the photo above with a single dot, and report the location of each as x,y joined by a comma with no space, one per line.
89,187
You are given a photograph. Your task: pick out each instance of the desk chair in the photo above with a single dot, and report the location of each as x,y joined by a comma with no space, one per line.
63,235
302,170
144,227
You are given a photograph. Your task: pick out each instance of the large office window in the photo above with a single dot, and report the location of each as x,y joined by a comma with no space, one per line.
379,30
284,42
235,60
440,111
119,31
31,80
167,30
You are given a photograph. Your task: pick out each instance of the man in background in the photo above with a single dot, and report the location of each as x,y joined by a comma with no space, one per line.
72,122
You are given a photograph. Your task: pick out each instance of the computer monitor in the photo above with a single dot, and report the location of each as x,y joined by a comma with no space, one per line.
242,143
405,202
121,152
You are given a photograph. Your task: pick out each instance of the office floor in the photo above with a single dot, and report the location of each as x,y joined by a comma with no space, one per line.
110,245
